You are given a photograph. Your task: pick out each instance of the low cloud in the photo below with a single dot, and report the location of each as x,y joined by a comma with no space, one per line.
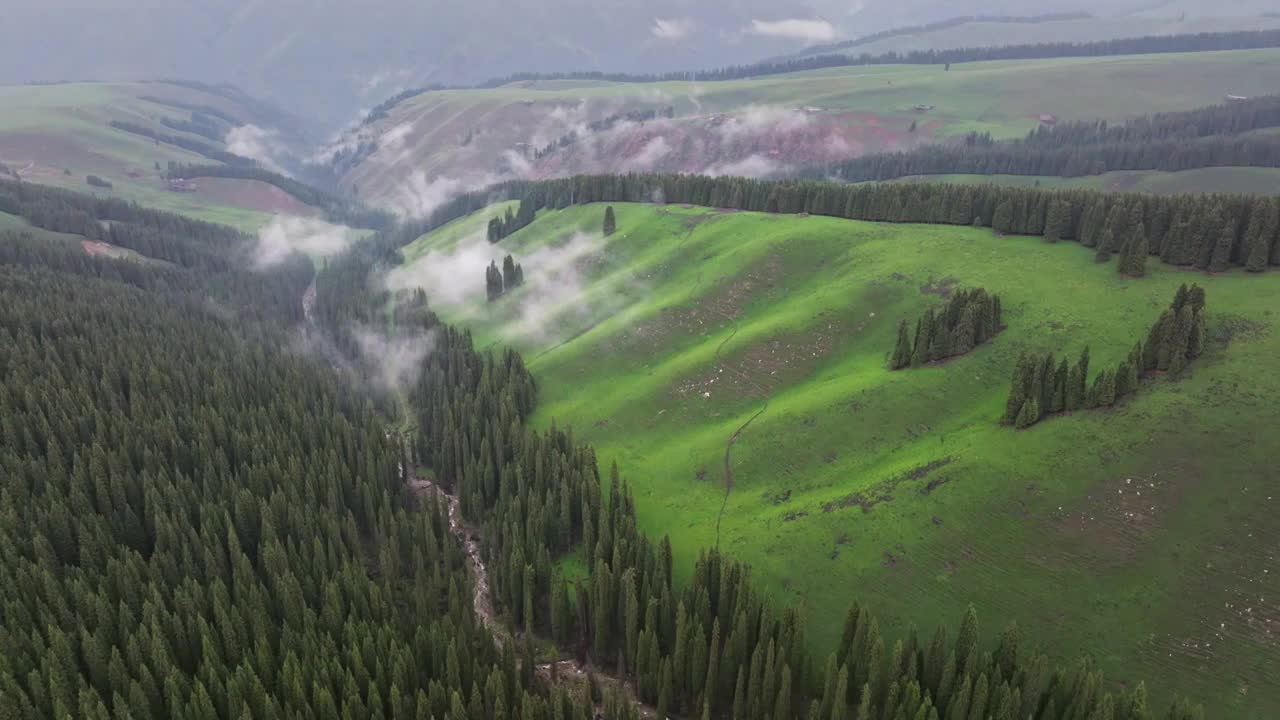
256,143
452,277
795,29
285,235
418,197
760,119
653,151
672,28
396,361
754,166
555,289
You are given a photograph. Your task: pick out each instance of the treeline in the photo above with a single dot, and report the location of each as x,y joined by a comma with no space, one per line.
211,259
1045,386
511,221
498,282
1211,232
1079,161
345,211
635,116
201,124
1207,137
200,148
967,320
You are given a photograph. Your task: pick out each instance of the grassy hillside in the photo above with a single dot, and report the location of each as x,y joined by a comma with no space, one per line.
60,134
733,364
1162,21
471,135
1260,181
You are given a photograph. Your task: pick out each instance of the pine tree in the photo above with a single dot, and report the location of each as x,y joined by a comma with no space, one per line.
1029,414
902,353
1133,262
610,222
1057,222
1221,258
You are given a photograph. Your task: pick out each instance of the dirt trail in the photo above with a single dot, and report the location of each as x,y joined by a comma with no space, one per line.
728,448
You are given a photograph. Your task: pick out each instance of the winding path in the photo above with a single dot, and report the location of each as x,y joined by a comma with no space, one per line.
728,448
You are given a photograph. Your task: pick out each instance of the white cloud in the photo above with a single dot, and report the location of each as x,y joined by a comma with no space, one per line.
648,156
396,361
753,166
758,119
285,235
451,277
260,144
795,29
672,28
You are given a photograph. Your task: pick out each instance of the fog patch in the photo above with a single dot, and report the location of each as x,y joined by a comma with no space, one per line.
286,235
555,287
760,119
259,144
648,156
794,29
395,362
452,277
753,166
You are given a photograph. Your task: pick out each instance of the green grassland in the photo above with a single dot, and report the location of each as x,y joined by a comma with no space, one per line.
1243,180
703,343
47,130
1162,21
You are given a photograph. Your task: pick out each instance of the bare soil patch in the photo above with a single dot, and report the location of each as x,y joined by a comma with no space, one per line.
253,195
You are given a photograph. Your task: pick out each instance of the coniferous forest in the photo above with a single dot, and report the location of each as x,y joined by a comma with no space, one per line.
202,519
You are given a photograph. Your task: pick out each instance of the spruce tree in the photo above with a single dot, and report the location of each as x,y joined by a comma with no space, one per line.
610,222
902,353
1133,262
1221,258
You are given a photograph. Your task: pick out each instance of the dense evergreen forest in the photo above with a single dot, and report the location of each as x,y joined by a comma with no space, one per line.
341,210
198,522
1214,136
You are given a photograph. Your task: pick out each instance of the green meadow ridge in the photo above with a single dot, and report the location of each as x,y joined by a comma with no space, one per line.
903,487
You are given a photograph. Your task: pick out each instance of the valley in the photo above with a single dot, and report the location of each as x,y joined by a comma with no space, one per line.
689,321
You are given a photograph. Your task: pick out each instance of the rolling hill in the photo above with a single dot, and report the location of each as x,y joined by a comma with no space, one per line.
733,364
60,134
434,143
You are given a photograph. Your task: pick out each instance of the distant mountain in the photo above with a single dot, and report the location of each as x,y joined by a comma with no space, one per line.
327,59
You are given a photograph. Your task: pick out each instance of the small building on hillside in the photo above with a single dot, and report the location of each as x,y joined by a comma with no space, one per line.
922,108
182,185
1236,98
1047,119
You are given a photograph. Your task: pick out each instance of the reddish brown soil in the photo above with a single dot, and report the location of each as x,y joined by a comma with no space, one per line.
252,195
